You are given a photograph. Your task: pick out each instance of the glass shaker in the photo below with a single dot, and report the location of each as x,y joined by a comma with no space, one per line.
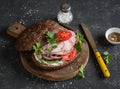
65,15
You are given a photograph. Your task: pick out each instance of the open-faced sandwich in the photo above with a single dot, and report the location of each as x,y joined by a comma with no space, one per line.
50,50
51,45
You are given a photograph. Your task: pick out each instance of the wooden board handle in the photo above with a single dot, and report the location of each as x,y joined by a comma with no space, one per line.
15,29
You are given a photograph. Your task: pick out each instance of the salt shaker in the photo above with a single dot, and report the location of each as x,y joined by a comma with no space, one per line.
65,15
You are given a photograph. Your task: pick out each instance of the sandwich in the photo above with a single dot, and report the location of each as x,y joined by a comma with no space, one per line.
50,50
50,45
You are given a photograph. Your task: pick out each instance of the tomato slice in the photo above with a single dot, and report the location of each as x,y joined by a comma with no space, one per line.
63,35
69,56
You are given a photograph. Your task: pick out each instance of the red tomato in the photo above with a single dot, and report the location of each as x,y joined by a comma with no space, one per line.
69,56
63,35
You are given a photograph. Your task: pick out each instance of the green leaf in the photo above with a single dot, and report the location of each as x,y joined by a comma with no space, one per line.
105,53
50,34
38,44
79,42
78,47
34,47
37,47
107,57
51,38
81,72
50,62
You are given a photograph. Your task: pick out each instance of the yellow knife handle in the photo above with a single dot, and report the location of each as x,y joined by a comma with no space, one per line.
102,65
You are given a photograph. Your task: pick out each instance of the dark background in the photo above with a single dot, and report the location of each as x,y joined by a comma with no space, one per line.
99,15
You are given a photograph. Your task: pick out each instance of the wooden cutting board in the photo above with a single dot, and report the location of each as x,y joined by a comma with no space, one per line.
62,74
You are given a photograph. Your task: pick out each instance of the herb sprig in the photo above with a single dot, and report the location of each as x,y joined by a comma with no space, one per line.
107,57
81,72
37,47
80,41
51,38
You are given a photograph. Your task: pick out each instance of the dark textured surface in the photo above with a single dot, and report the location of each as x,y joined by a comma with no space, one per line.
99,15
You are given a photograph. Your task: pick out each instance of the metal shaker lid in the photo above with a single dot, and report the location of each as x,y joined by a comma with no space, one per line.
65,7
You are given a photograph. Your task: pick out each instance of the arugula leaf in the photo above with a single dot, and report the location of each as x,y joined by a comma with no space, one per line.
51,38
107,57
50,34
78,47
37,47
80,41
81,72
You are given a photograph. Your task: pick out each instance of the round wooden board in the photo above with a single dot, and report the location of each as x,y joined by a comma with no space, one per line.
62,74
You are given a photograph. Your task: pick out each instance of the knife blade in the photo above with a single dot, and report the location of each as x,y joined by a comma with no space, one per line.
99,58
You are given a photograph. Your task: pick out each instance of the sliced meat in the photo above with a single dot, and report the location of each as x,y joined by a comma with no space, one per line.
65,46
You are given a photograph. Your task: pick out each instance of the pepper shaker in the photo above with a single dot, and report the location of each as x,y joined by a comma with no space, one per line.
65,15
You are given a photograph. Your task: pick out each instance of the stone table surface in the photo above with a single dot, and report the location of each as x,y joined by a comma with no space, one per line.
99,15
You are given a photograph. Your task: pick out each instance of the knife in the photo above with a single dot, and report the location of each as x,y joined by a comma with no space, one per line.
92,43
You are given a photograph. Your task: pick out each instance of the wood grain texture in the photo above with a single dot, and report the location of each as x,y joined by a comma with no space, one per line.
62,74
15,29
